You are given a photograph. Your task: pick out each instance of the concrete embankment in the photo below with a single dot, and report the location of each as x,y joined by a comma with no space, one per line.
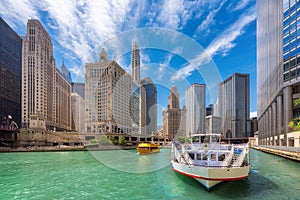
292,153
63,148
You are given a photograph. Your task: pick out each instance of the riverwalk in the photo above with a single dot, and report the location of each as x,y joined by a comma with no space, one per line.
292,153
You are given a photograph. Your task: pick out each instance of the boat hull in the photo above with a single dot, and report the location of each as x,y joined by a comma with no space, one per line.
211,176
142,151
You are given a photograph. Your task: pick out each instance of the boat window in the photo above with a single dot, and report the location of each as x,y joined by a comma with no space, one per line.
221,157
213,157
198,156
192,155
204,156
204,139
195,139
214,138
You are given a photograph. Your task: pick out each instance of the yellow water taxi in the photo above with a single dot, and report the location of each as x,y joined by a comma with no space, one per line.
144,148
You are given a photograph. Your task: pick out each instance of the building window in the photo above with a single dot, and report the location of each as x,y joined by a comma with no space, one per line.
286,76
293,74
286,66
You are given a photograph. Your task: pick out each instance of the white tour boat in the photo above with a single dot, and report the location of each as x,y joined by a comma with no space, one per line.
209,161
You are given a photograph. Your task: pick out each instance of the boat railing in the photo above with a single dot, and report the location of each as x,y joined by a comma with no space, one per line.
239,161
228,159
183,156
177,154
203,146
186,156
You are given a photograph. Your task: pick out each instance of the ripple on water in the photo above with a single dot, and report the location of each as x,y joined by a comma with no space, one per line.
78,175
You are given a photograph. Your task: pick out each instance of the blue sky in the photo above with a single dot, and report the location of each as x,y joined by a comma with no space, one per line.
225,31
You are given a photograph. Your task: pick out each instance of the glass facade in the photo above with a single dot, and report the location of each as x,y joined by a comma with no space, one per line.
234,106
78,88
134,107
291,39
269,52
151,105
10,72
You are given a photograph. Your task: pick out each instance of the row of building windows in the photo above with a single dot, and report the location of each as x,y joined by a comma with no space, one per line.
291,75
290,64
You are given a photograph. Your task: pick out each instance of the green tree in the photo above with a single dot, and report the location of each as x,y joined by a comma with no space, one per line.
104,140
113,140
183,139
93,141
297,102
122,140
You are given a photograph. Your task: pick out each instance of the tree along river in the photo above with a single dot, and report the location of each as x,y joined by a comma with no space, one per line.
127,175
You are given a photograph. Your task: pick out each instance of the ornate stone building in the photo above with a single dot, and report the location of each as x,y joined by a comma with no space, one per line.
172,115
46,94
107,97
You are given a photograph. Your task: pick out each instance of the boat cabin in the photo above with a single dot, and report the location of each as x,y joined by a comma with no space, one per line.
206,138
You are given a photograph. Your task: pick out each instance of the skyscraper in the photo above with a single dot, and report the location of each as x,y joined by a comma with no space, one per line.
10,72
195,108
135,63
278,59
151,105
107,91
234,106
78,88
78,112
46,94
65,72
172,115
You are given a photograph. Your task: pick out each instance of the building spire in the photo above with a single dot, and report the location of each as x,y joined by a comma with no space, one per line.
103,56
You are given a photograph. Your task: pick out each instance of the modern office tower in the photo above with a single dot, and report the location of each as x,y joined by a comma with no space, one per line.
107,97
171,115
78,88
209,110
142,110
65,72
138,108
151,105
253,126
135,63
10,72
135,108
234,104
46,94
213,124
182,126
278,72
78,111
195,109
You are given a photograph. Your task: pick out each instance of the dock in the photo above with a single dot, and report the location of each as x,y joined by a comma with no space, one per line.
292,153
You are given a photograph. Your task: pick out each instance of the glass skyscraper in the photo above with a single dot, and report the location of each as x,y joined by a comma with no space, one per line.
234,104
10,72
151,105
291,40
278,69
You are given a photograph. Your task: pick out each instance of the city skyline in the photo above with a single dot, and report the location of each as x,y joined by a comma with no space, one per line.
226,44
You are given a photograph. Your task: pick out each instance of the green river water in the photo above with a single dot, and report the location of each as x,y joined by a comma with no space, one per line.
127,175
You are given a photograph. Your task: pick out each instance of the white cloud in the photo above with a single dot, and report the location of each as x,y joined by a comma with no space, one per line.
221,45
164,65
241,5
16,13
170,13
176,13
209,20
